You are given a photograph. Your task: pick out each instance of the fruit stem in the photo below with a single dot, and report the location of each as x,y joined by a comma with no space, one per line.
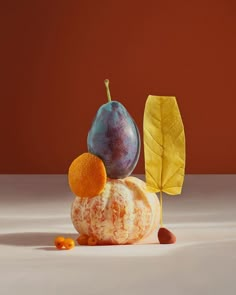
161,210
106,81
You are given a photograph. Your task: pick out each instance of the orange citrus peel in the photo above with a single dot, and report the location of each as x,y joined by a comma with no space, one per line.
87,175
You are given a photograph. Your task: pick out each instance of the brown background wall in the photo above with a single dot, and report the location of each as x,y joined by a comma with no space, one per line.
55,55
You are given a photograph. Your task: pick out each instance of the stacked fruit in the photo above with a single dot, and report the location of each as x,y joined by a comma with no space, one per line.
110,206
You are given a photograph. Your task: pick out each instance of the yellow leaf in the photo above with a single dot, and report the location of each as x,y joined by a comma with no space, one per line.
164,145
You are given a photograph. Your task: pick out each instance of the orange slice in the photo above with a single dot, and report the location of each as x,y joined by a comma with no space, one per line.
87,175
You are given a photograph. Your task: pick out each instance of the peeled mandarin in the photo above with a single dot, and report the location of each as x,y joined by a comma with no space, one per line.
124,213
87,175
59,242
82,240
69,243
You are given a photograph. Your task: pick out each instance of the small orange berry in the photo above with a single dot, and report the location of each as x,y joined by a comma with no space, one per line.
82,240
59,242
92,241
69,243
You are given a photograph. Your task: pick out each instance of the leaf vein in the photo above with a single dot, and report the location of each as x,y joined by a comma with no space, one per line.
148,132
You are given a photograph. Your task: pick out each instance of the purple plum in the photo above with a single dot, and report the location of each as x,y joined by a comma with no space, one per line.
115,138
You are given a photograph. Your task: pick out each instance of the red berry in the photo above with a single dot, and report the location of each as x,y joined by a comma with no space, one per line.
165,236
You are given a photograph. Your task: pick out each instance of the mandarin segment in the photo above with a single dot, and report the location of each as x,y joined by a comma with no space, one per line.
82,240
92,241
87,175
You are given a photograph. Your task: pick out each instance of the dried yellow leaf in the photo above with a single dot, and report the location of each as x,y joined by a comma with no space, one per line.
164,145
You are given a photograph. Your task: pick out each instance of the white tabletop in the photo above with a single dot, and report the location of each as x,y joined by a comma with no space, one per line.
34,209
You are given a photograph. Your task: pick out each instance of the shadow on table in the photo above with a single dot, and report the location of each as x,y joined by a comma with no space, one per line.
43,240
32,238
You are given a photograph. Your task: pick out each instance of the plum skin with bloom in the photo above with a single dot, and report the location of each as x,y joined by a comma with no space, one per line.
115,138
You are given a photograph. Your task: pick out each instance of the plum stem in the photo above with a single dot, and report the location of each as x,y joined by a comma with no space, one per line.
161,209
106,81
